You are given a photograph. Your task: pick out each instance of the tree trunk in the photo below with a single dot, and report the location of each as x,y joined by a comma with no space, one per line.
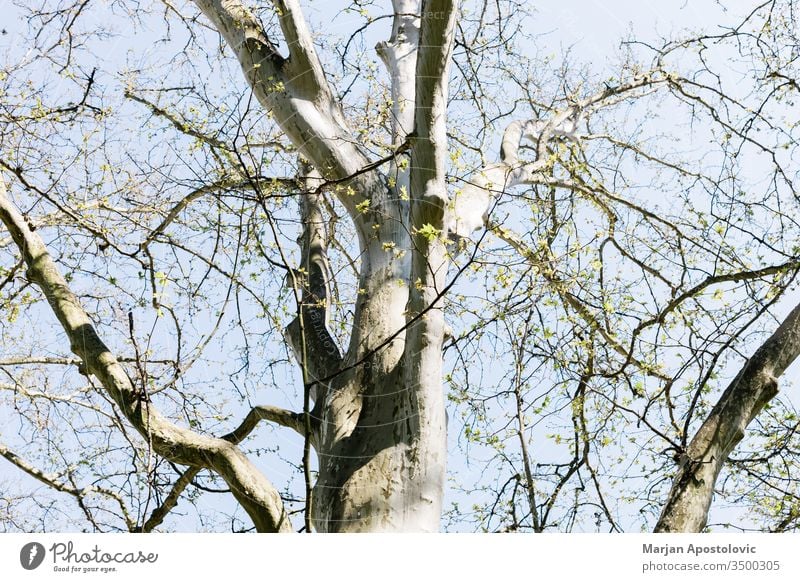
388,473
378,415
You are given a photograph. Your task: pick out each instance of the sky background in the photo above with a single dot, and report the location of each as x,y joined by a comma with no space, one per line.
591,30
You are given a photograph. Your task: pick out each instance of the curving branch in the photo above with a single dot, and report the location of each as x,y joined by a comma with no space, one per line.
564,126
280,416
228,183
473,202
274,414
180,445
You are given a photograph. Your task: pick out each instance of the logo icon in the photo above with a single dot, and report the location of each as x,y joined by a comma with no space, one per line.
31,555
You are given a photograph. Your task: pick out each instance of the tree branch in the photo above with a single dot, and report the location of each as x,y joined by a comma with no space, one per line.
180,445
303,68
689,499
159,513
472,203
294,90
310,336
224,184
281,416
54,482
57,361
274,414
399,54
429,146
560,286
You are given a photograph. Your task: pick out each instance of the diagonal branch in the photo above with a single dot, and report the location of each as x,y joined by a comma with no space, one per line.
689,499
252,490
228,183
294,90
274,414
303,68
177,123
170,501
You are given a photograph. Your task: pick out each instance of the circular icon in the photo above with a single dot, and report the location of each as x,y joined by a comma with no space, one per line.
31,555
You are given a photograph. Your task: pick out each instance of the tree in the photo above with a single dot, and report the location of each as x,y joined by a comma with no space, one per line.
590,320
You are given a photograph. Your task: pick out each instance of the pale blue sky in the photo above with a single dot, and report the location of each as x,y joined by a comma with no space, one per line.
592,29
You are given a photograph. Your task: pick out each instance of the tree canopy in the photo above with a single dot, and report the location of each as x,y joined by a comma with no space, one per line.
266,266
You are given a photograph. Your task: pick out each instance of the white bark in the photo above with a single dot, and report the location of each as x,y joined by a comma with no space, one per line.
295,90
399,54
380,431
473,202
430,206
535,129
388,474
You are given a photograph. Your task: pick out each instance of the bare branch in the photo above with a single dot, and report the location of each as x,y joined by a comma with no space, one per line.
55,482
170,501
281,416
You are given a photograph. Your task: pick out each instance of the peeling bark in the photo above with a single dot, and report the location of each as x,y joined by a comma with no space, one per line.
388,473
308,334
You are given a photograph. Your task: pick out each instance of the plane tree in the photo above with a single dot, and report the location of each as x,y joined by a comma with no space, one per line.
251,262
